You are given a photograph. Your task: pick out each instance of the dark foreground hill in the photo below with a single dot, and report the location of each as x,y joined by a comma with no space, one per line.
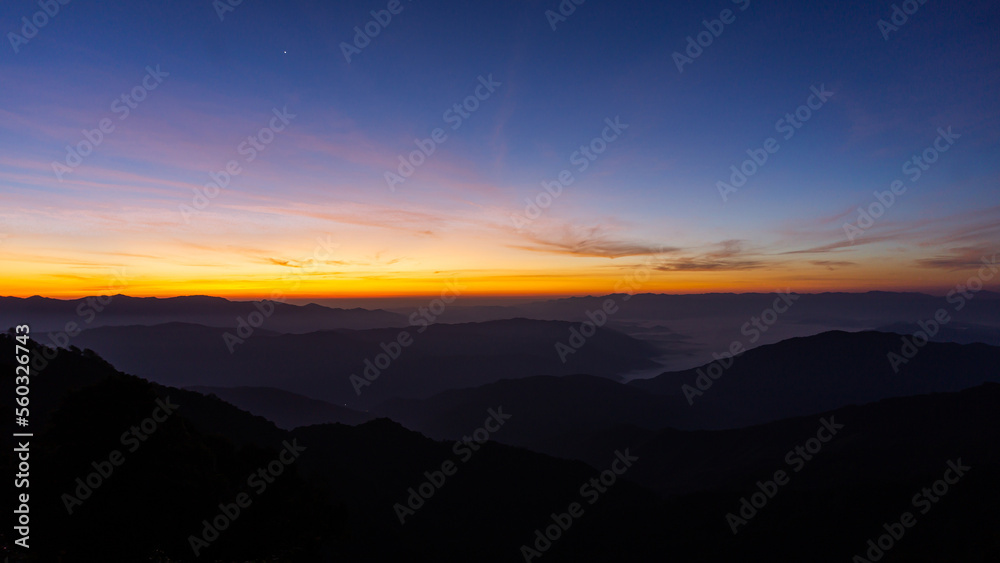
335,503
565,416
552,412
286,410
336,500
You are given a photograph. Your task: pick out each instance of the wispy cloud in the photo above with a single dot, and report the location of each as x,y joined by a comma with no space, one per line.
956,259
833,264
595,241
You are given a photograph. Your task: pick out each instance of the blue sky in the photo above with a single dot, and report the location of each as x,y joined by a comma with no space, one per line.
654,187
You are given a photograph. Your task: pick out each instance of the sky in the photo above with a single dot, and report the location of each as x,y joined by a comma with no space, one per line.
312,121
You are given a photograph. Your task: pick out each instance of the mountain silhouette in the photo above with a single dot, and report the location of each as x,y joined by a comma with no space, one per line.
814,374
337,502
320,364
286,410
48,315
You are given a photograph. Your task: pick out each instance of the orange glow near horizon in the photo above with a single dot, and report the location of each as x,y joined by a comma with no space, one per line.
478,284
251,265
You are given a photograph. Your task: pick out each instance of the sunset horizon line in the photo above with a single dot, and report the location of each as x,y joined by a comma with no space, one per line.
304,299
